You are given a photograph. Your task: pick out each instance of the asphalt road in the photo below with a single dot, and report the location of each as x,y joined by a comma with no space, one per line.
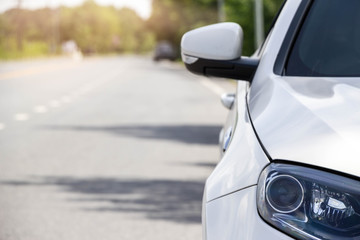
105,148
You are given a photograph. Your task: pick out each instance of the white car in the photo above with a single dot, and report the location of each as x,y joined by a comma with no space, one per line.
290,167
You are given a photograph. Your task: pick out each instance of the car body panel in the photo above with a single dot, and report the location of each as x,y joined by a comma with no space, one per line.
297,121
294,116
235,217
243,160
277,117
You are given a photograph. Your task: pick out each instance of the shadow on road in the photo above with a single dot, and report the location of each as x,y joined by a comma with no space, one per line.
211,165
178,201
190,134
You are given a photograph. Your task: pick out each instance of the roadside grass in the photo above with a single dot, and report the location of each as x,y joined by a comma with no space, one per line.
30,49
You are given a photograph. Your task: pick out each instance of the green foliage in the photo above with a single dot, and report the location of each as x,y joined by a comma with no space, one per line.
95,29
170,19
104,29
242,12
8,49
99,29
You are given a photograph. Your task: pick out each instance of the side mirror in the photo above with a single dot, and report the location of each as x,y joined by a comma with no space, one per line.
227,100
215,50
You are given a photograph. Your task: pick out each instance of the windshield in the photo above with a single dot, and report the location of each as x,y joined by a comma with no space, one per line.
329,42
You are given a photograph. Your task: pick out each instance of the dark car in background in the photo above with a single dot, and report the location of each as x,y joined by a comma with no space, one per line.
164,51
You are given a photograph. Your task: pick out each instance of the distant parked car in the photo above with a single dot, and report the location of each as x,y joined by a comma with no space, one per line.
290,166
164,51
71,49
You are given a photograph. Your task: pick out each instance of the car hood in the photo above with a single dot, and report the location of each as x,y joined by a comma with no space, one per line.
313,121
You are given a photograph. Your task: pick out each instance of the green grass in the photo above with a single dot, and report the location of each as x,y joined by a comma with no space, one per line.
32,49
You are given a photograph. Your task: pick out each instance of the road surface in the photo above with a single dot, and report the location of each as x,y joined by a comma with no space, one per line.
105,148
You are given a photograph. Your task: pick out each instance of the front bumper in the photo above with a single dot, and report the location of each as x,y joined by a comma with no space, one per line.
235,217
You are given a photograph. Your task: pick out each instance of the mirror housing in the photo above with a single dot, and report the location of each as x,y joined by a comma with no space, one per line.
215,50
228,99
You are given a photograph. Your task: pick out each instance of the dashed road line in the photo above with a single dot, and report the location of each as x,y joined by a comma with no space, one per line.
66,99
54,104
21,117
40,109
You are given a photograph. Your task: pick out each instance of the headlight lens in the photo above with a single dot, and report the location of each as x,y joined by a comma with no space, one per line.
308,203
284,193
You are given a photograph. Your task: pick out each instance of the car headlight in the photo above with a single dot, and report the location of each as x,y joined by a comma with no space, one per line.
308,203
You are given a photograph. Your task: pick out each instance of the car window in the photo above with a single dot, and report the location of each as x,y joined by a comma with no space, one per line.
328,43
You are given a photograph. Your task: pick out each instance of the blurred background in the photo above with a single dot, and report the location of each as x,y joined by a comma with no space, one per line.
30,28
103,133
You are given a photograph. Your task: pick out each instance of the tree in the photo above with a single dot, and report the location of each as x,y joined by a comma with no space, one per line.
242,12
171,19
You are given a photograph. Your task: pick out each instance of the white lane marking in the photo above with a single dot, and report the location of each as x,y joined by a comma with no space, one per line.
21,117
212,86
87,88
40,109
66,99
54,103
2,126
